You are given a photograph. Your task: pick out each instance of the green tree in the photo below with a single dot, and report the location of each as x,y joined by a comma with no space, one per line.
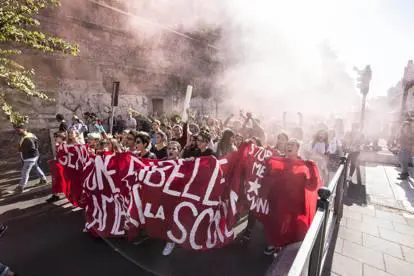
19,30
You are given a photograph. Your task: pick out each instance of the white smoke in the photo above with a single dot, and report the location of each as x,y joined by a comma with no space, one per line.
276,53
284,62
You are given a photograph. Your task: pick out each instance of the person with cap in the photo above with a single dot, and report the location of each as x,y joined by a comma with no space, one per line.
29,153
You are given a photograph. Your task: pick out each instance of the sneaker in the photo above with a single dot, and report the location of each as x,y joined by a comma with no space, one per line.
18,190
169,247
277,251
270,250
53,198
3,229
41,182
403,176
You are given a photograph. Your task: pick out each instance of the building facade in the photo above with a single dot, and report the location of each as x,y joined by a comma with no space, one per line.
153,69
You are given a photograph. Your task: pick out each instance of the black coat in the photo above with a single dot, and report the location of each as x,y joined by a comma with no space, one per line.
29,148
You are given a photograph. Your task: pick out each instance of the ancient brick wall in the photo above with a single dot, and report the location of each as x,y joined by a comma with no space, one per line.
148,67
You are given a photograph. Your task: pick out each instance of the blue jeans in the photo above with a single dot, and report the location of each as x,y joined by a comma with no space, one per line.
405,157
27,167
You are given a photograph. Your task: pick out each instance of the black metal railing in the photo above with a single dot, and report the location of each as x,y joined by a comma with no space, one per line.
312,253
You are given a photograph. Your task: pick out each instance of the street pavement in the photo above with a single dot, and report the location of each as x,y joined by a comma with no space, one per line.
375,237
376,234
374,241
10,178
380,186
383,188
47,239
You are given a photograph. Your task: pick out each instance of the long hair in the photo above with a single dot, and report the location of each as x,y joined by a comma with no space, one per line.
277,147
225,146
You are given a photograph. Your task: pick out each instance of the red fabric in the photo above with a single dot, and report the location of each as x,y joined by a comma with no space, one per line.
106,194
58,183
292,198
194,203
69,166
180,201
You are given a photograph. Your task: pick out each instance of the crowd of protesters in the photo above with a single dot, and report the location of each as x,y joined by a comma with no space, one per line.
162,138
202,136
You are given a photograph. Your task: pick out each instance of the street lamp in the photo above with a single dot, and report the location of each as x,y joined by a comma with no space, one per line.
407,82
364,80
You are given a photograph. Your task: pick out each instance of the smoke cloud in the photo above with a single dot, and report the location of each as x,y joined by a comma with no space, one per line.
275,54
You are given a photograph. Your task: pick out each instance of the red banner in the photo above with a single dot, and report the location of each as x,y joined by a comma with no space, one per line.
195,202
107,194
67,171
180,201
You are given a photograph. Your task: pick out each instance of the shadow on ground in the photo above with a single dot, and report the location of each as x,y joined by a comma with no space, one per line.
234,259
48,240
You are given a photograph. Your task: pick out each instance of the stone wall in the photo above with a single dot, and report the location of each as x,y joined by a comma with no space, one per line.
158,66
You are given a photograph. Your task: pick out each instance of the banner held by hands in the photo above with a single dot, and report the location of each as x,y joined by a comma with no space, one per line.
187,103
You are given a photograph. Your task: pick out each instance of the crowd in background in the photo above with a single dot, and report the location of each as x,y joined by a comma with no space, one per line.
162,137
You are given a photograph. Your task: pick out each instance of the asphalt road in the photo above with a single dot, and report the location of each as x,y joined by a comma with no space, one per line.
44,239
48,240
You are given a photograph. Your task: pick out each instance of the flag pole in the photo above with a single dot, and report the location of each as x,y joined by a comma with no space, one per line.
114,103
189,92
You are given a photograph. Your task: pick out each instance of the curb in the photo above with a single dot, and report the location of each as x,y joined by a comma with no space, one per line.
30,192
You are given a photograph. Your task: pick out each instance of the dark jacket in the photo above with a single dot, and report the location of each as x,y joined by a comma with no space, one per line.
119,126
63,126
29,146
189,152
149,155
161,154
207,152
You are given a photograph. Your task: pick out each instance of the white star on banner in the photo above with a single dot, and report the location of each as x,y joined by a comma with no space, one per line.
254,186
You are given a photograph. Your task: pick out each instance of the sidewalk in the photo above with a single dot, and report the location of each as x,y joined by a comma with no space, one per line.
377,238
376,242
383,188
